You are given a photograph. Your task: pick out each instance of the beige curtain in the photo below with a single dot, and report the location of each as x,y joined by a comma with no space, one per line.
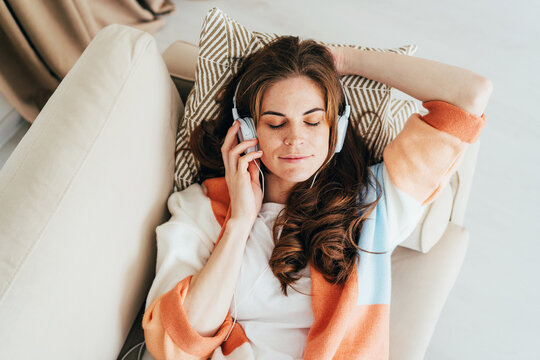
40,40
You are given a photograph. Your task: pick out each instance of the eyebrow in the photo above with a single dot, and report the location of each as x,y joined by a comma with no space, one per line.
280,114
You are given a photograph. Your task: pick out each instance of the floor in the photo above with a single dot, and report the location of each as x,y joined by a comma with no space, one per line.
492,312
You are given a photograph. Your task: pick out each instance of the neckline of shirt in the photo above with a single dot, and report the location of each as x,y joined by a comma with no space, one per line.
272,206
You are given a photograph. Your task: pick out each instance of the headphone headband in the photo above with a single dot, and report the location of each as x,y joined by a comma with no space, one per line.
235,110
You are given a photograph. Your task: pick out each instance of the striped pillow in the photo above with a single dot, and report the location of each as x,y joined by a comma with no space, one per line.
223,44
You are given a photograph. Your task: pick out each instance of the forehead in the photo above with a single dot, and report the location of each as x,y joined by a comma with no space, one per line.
293,92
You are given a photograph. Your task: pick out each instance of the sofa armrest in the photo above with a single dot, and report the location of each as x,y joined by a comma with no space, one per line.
450,206
181,60
81,197
462,184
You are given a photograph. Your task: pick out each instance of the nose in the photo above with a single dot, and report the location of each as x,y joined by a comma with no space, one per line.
295,135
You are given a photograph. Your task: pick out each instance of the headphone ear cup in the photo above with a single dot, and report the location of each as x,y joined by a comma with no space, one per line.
247,132
343,121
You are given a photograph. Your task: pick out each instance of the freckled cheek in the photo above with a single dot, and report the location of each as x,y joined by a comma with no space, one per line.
323,142
266,148
266,144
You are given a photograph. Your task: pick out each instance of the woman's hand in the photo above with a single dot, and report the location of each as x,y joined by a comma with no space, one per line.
339,54
242,176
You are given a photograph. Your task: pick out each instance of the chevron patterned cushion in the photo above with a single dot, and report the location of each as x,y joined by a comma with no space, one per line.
222,46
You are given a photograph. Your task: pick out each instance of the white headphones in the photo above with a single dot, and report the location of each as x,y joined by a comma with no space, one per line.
248,130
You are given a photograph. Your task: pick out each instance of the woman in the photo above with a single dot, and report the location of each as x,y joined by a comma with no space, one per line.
325,224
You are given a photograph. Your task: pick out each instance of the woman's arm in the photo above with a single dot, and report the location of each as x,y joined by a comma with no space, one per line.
208,301
210,292
420,78
187,308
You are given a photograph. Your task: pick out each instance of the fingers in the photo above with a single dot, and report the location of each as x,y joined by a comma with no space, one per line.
235,153
229,141
231,151
245,160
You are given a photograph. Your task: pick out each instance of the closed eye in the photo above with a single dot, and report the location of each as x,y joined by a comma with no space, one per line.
307,123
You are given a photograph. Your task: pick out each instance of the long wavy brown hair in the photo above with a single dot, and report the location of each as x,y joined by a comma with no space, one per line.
320,224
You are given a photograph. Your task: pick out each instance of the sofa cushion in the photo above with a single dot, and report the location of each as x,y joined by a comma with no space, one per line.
224,43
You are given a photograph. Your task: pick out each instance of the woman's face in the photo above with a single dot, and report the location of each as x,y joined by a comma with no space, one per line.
293,131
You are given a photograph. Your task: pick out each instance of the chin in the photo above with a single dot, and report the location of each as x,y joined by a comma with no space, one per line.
292,174
296,178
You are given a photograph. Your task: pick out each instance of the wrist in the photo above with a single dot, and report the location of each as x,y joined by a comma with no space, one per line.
238,227
348,53
339,55
351,61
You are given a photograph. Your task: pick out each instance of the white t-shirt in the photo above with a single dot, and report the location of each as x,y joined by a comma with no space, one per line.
276,325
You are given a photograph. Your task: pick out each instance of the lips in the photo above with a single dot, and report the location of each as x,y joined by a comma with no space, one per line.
294,157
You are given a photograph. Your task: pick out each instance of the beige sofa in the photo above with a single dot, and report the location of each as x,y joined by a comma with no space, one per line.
82,194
